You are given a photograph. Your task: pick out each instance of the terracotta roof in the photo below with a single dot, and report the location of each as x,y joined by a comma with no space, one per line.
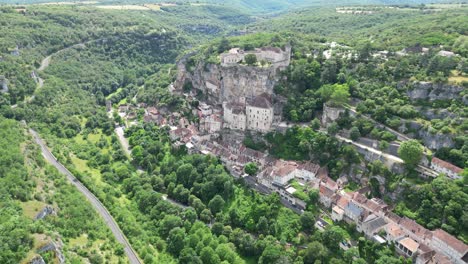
415,228
329,182
394,230
285,170
338,210
434,257
373,206
409,243
342,201
451,241
394,217
447,165
309,166
359,198
325,191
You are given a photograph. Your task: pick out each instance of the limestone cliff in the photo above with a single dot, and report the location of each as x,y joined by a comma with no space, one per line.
227,83
430,140
434,91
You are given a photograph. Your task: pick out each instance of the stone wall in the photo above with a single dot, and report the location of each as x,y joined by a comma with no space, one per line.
331,114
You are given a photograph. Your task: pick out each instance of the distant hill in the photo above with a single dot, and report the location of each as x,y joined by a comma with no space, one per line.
250,6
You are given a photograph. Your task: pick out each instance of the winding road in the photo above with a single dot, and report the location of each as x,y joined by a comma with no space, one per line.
100,208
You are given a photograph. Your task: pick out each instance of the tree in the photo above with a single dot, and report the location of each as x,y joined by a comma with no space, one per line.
271,254
340,95
175,241
411,152
209,256
250,59
307,221
216,204
224,45
315,251
251,168
354,133
332,129
333,236
315,124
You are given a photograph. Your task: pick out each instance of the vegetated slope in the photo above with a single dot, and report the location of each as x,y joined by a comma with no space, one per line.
27,186
257,7
390,29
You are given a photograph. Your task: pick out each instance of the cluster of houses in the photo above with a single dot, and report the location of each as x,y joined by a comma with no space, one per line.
372,217
234,155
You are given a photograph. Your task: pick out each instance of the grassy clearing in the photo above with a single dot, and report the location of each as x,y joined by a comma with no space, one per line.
39,240
32,208
82,166
457,78
80,241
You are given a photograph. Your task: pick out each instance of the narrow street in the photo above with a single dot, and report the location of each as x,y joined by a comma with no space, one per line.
100,208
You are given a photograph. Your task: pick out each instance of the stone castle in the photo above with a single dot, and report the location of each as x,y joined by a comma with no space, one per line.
276,56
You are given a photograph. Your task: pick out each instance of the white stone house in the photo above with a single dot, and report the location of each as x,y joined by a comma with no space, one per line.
234,116
259,113
441,166
352,212
456,250
337,213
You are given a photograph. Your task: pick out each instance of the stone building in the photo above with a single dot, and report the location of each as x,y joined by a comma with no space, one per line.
441,166
259,114
256,114
455,249
276,56
234,115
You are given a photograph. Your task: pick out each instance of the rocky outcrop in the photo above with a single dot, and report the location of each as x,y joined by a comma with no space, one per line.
227,83
331,114
432,140
54,248
37,260
48,210
434,91
437,140
430,113
3,84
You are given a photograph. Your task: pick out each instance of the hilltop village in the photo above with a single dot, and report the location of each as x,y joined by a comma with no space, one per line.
233,108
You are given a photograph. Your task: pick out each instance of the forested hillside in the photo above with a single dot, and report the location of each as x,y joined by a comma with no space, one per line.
28,186
386,28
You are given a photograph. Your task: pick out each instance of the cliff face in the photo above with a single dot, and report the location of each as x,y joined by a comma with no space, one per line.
227,83
430,140
435,91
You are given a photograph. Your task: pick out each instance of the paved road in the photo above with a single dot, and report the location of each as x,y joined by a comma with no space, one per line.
110,222
373,150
